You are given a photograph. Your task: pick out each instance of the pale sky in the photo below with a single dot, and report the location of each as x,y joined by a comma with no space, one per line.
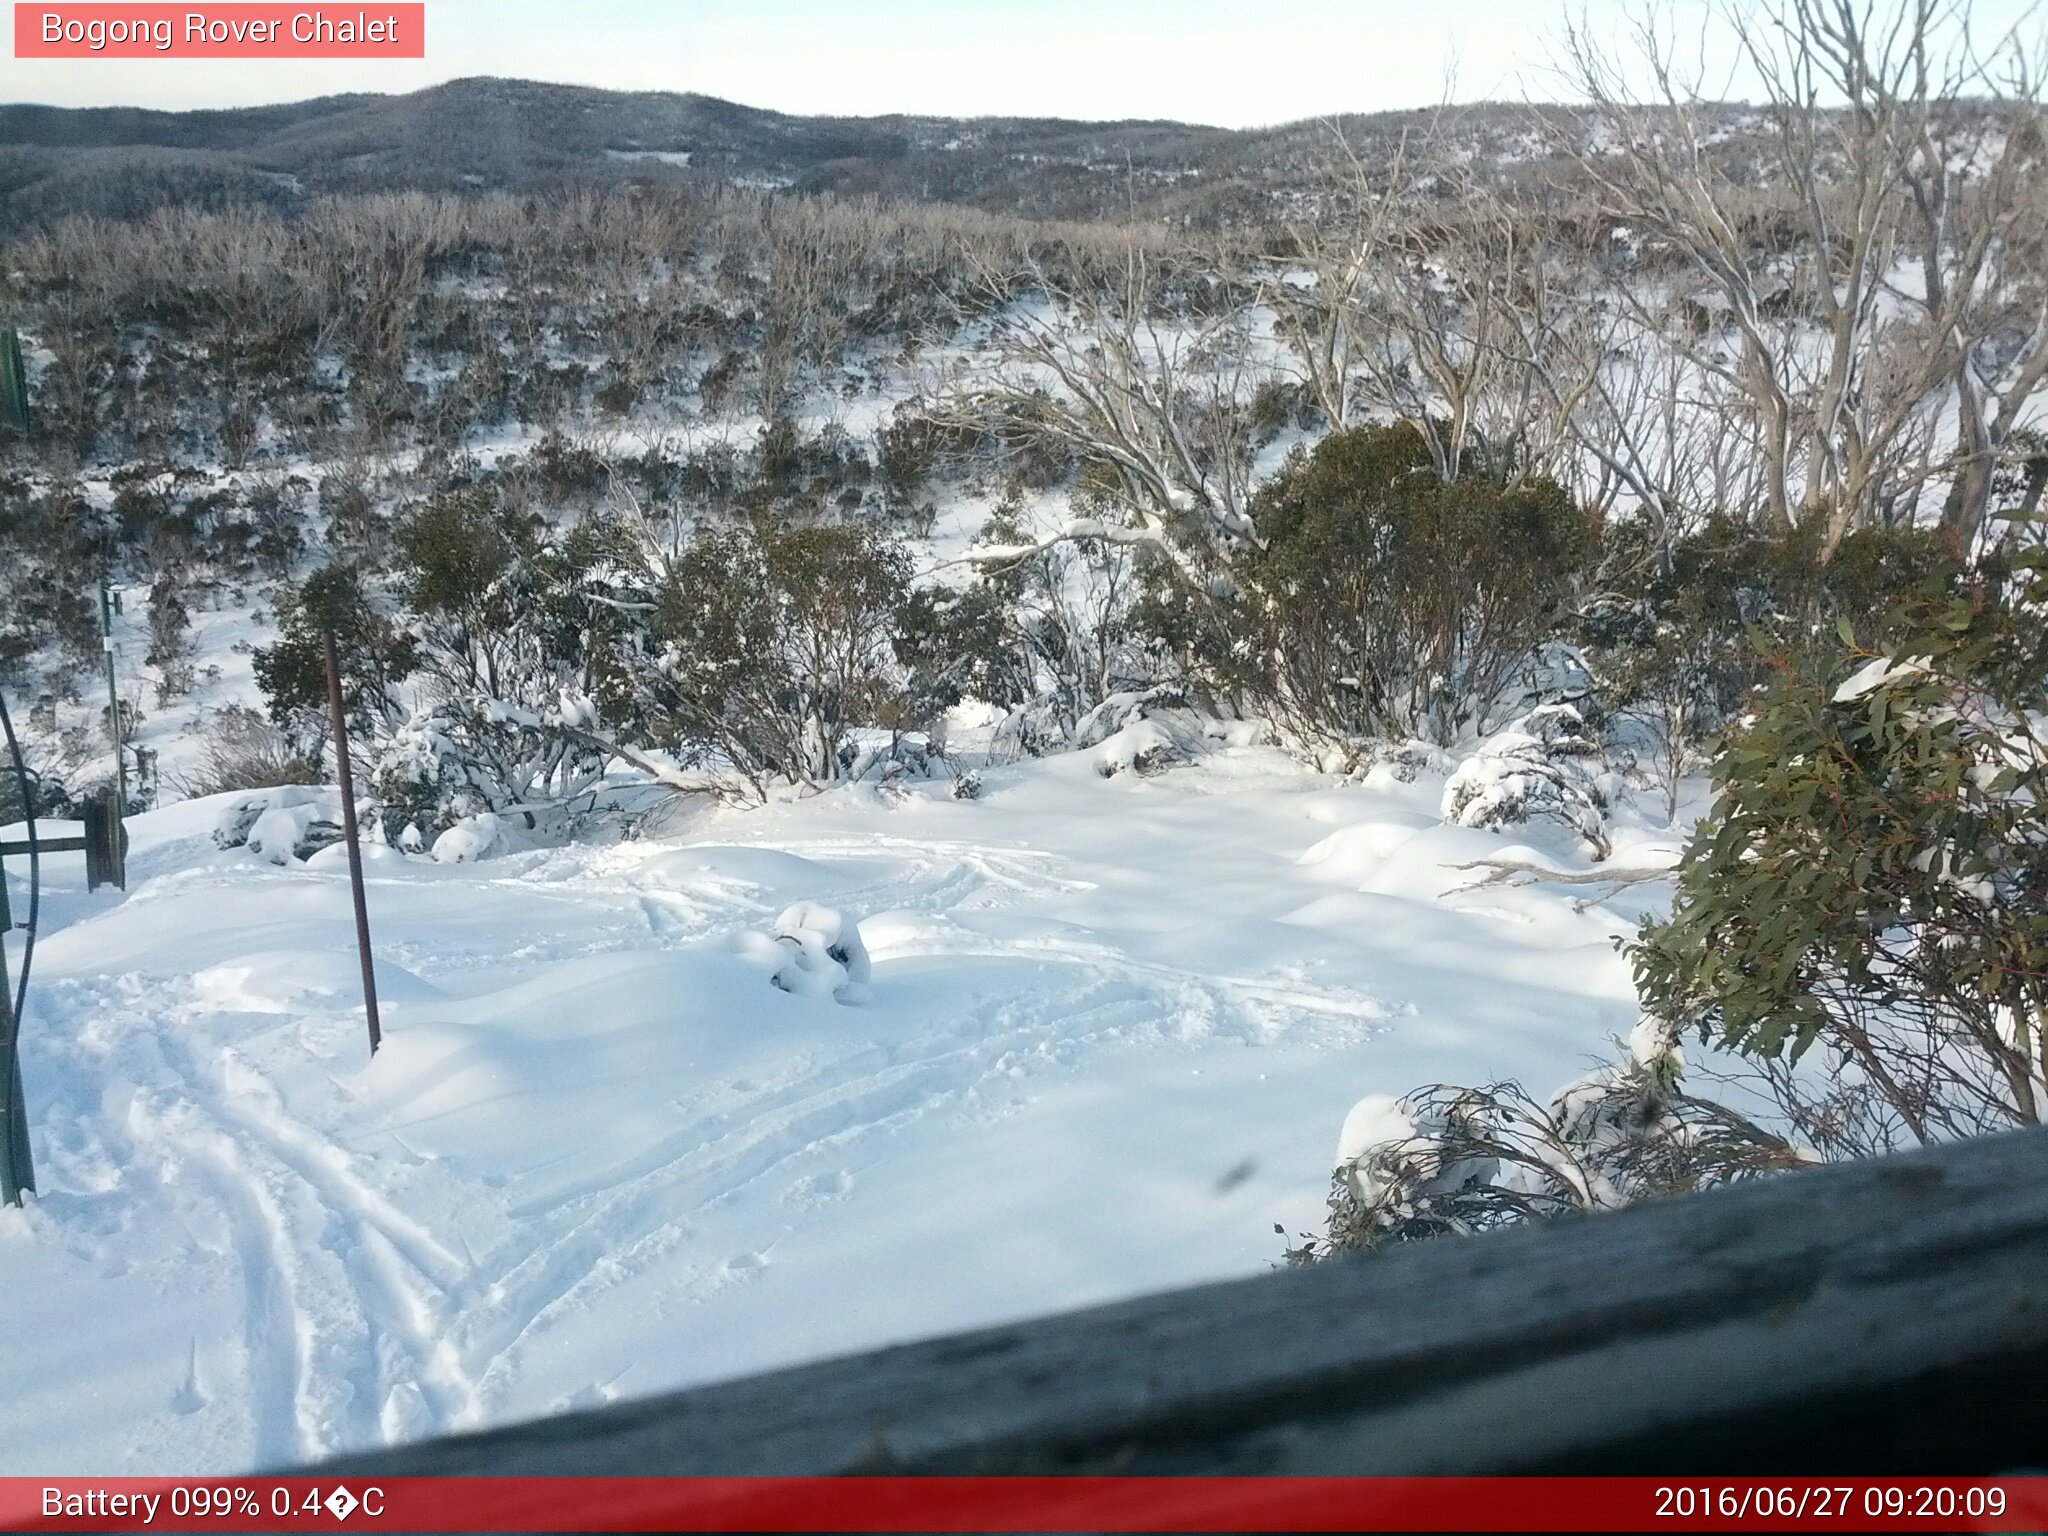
1231,62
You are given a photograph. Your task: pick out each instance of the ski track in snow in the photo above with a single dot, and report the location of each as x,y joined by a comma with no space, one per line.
370,1311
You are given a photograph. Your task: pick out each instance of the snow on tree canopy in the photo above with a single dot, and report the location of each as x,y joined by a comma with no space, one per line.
1874,675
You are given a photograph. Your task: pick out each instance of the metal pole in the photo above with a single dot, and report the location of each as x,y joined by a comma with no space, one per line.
17,1168
348,832
113,695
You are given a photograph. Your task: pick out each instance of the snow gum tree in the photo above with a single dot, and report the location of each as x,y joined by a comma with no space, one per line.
376,655
1873,881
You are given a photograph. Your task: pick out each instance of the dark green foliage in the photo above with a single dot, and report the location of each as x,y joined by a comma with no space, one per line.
795,472
455,551
776,646
13,383
51,548
1873,879
1668,630
961,644
1388,601
1694,604
375,655
908,447
507,607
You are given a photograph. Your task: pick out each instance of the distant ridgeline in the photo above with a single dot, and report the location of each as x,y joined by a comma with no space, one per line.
514,135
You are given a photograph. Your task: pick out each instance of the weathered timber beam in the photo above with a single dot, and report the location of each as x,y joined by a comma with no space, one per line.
43,845
1884,1316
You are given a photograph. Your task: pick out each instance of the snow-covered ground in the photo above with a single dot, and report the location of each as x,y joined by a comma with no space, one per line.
1114,1027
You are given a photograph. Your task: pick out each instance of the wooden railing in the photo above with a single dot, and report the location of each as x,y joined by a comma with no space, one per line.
1880,1317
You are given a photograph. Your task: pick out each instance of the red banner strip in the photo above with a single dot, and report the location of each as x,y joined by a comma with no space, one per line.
66,29
1024,1504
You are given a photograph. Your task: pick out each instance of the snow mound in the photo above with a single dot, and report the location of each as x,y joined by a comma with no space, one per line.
1389,763
1354,854
302,981
1539,768
335,856
815,951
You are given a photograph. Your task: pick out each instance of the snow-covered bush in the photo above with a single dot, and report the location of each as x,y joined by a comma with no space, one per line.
1142,747
1542,767
465,757
1046,634
894,757
1140,732
1401,761
241,750
292,821
1451,1161
472,838
814,951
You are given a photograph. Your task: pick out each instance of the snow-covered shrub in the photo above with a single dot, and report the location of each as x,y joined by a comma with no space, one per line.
240,749
1143,747
1401,761
1045,633
1554,672
1142,732
1451,1161
1121,710
465,757
894,757
292,821
472,838
814,951
1542,767
967,787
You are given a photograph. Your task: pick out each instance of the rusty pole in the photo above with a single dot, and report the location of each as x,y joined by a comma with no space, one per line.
348,832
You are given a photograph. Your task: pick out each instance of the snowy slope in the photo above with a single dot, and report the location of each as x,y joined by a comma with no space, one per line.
1115,1025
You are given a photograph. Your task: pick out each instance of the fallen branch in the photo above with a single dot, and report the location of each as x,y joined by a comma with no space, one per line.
1519,872
668,777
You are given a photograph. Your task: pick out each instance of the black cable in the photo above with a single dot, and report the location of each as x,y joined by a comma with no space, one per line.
35,870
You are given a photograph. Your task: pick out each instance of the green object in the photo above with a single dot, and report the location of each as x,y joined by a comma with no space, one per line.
13,383
17,1167
1873,875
